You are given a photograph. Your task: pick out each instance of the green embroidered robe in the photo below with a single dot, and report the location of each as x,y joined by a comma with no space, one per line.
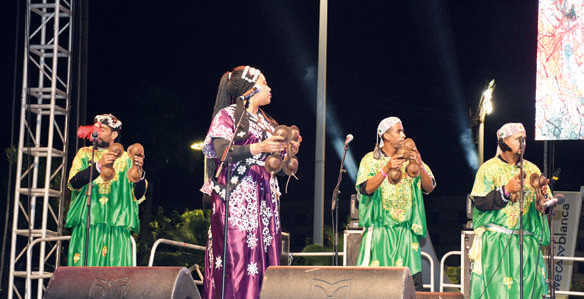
114,215
495,251
394,218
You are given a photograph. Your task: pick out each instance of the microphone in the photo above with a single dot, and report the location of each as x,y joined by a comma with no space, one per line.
348,139
94,136
558,200
555,177
248,94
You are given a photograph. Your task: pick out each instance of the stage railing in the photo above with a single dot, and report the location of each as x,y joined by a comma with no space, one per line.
177,244
432,274
39,274
442,284
573,259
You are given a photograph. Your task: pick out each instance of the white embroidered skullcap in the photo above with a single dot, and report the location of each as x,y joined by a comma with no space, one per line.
385,125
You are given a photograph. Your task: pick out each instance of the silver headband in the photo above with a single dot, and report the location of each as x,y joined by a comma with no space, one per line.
109,120
250,74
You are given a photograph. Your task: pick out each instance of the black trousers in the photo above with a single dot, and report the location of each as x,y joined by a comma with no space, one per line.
418,284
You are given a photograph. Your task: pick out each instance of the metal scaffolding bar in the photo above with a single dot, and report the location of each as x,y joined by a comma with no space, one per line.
42,147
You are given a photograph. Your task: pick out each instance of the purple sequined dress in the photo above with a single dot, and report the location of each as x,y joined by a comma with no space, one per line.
254,233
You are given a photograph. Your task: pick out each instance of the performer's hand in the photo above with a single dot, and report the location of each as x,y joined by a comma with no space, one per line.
107,159
270,145
394,163
415,156
544,189
514,184
138,161
296,145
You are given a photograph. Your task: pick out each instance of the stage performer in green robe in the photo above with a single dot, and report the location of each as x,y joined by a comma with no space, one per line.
114,204
392,214
495,250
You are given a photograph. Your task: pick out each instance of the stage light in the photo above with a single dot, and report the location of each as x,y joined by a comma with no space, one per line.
197,146
485,107
489,107
487,104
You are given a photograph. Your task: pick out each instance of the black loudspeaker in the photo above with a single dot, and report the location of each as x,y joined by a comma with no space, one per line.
351,244
337,282
122,282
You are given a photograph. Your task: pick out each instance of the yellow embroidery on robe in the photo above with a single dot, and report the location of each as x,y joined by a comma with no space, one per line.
105,187
104,250
76,258
374,263
103,200
508,281
512,212
399,262
417,228
415,246
397,198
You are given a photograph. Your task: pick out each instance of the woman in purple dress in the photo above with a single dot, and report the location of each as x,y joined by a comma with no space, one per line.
254,232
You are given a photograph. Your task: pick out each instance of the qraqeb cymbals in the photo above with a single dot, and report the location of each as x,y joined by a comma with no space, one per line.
107,172
289,164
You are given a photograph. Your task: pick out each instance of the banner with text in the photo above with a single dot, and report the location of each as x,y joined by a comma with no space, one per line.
565,233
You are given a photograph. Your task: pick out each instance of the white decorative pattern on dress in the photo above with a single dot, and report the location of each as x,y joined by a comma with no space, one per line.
252,269
252,241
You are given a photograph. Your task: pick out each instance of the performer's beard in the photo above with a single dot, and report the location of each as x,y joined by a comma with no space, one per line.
399,144
102,144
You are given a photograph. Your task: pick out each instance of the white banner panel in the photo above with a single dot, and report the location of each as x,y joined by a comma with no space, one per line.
564,233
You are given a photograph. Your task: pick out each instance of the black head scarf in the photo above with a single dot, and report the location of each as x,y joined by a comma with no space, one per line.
232,85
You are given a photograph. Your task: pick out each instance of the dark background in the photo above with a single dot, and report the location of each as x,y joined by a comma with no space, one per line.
156,65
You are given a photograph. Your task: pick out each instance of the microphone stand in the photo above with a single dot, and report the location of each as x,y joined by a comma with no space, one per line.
226,159
551,253
521,202
89,195
335,209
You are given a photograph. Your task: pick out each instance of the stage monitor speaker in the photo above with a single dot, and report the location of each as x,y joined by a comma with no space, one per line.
351,246
469,206
122,282
354,206
284,257
337,282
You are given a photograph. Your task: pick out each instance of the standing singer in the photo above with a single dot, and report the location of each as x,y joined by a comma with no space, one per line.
495,250
392,213
114,203
254,232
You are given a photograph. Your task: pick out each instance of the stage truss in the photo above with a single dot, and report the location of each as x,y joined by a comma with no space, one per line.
40,182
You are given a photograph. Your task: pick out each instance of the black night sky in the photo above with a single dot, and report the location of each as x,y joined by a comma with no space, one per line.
157,64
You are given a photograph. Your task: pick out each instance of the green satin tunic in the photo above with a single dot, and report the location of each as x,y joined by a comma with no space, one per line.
394,218
495,251
114,215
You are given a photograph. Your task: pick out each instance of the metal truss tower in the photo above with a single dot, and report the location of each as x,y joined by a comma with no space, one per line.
42,147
